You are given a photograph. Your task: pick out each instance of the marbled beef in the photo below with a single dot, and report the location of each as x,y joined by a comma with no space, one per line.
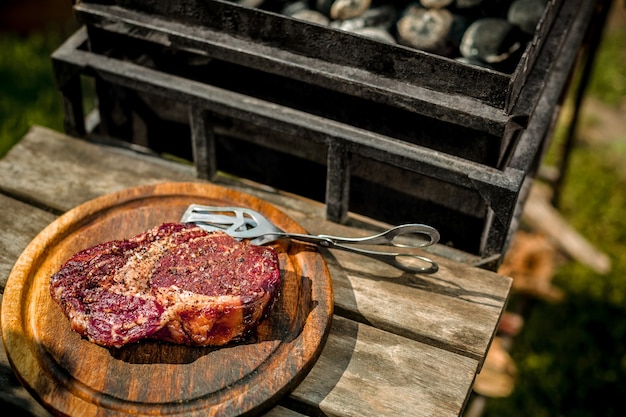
175,282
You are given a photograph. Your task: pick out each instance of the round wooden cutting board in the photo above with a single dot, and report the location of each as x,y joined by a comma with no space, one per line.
71,376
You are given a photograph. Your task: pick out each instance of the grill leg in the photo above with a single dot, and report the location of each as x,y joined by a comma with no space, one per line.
203,143
337,182
68,81
593,42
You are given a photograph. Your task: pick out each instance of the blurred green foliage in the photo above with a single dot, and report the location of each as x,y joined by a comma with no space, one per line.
571,355
609,76
28,94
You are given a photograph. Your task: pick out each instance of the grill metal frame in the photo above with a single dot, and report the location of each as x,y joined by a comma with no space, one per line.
493,190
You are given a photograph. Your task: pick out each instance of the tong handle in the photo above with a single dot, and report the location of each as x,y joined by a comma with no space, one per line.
248,224
391,237
403,261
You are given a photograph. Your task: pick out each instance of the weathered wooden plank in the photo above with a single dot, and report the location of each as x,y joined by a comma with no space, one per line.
352,363
280,411
15,400
60,172
457,309
368,372
20,223
25,222
443,322
458,314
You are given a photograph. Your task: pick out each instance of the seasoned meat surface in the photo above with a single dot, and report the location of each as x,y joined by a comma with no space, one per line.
175,282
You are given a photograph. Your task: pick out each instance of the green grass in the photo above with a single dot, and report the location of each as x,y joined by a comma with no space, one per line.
28,93
571,355
609,80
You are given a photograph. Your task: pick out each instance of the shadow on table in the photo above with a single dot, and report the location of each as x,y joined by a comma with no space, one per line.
14,399
334,359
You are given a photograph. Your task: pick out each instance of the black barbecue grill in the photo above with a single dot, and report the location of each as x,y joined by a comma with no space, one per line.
385,130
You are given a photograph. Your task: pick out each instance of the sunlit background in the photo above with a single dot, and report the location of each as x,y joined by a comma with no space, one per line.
570,356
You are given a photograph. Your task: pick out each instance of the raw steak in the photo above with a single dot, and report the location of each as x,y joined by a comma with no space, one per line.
175,282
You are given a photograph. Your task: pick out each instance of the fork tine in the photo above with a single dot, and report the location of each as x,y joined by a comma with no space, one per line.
243,223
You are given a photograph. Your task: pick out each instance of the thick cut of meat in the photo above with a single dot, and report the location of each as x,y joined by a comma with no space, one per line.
175,282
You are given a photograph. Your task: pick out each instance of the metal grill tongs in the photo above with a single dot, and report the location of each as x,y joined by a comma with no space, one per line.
243,223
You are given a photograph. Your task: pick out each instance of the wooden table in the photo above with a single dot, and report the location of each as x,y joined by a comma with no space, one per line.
400,344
